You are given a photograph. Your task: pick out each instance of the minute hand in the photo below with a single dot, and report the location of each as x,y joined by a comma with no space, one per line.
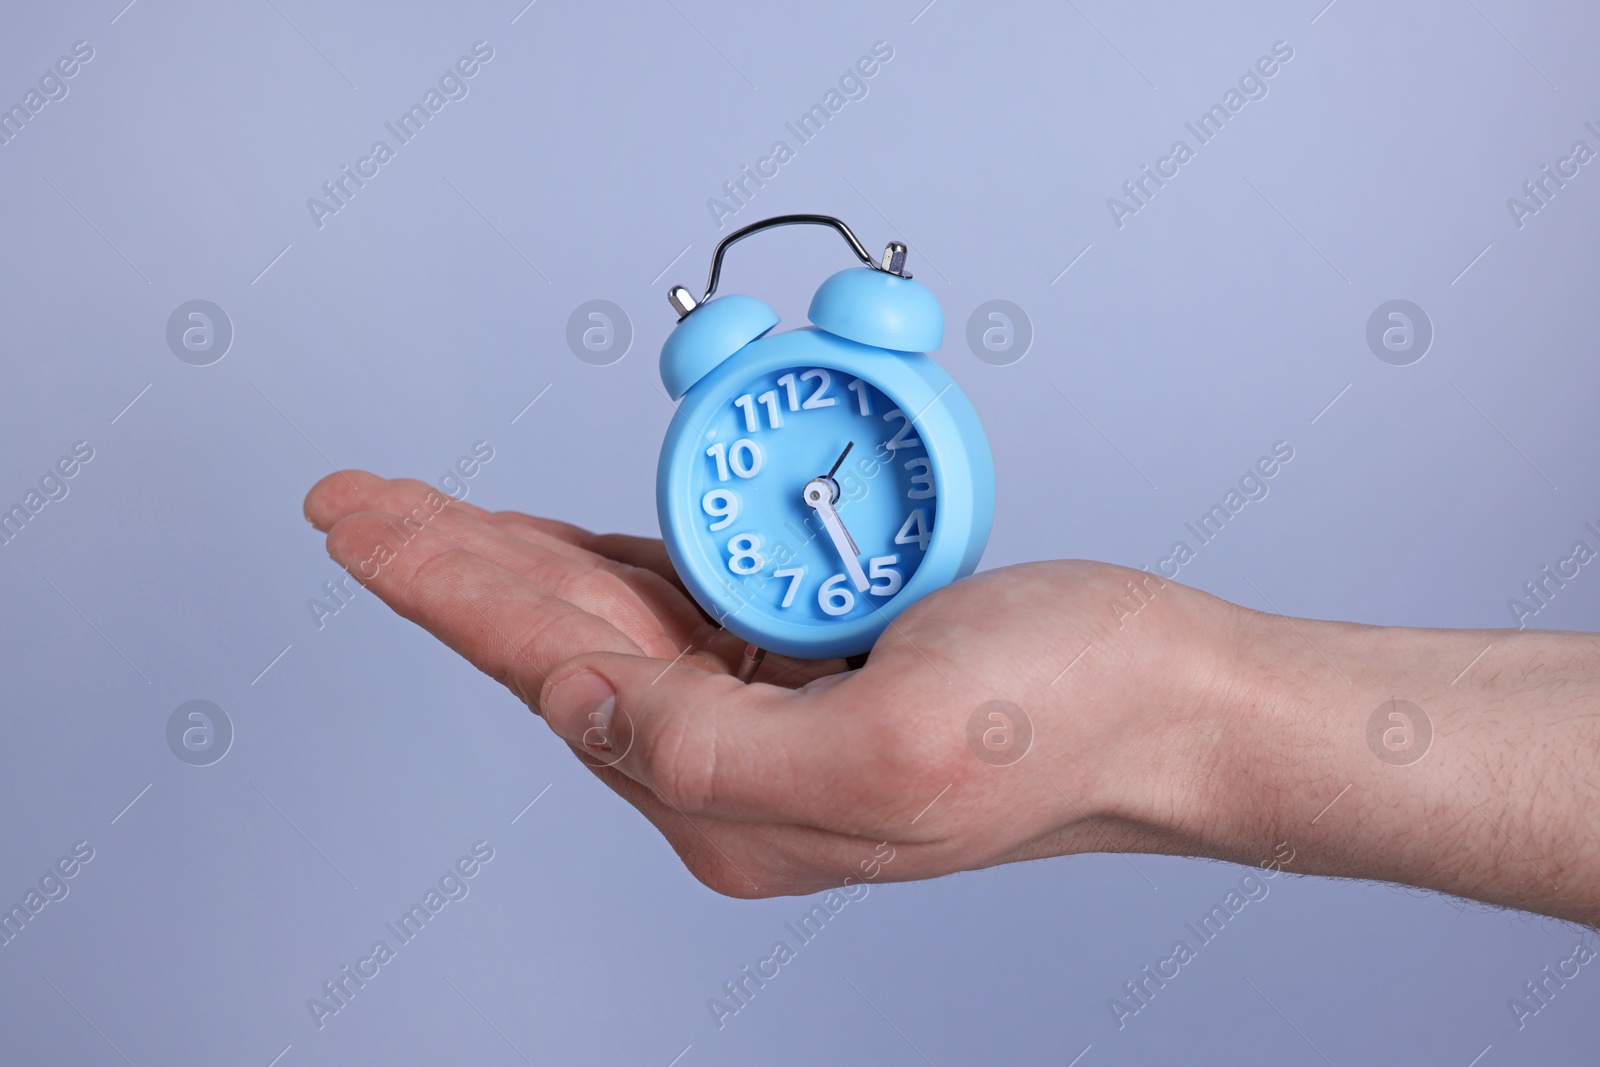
819,495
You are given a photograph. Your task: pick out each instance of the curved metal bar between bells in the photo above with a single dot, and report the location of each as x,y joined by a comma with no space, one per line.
783,220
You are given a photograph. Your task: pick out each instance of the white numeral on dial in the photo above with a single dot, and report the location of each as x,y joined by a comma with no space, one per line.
882,568
795,575
744,555
744,458
835,598
921,478
903,438
859,388
747,404
819,398
770,399
915,531
787,381
723,505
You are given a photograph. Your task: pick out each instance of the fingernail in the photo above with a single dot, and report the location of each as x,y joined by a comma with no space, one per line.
581,708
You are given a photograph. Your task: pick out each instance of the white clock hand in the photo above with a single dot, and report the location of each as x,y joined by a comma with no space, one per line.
820,494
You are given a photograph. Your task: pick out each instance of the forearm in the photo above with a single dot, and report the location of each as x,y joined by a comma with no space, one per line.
1496,805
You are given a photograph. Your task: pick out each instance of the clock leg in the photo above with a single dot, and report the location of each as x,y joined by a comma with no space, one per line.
751,662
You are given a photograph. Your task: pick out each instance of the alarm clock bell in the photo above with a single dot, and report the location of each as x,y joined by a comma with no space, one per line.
878,304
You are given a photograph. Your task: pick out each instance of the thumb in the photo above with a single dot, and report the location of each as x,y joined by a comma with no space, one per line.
702,741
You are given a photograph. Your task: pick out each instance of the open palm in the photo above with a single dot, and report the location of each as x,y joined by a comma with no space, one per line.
519,595
806,777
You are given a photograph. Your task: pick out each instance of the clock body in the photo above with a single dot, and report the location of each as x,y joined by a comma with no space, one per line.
903,460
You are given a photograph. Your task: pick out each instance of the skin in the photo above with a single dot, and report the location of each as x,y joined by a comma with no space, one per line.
1163,719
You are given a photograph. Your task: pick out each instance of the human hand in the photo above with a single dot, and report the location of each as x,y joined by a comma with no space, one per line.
815,774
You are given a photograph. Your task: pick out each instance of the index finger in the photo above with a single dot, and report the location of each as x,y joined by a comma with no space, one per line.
502,623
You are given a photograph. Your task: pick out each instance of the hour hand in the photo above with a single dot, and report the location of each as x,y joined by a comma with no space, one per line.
819,494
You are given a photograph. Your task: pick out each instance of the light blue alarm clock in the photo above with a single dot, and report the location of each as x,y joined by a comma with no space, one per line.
817,482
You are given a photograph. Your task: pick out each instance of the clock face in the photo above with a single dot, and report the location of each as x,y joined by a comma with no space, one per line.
814,497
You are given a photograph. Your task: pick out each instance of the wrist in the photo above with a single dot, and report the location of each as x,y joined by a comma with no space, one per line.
1178,773
1381,753
1266,759
1226,751
1245,739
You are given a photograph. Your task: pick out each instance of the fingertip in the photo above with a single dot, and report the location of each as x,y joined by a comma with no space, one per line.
579,706
359,534
338,495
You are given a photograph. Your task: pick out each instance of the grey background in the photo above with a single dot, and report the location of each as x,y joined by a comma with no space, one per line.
425,316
